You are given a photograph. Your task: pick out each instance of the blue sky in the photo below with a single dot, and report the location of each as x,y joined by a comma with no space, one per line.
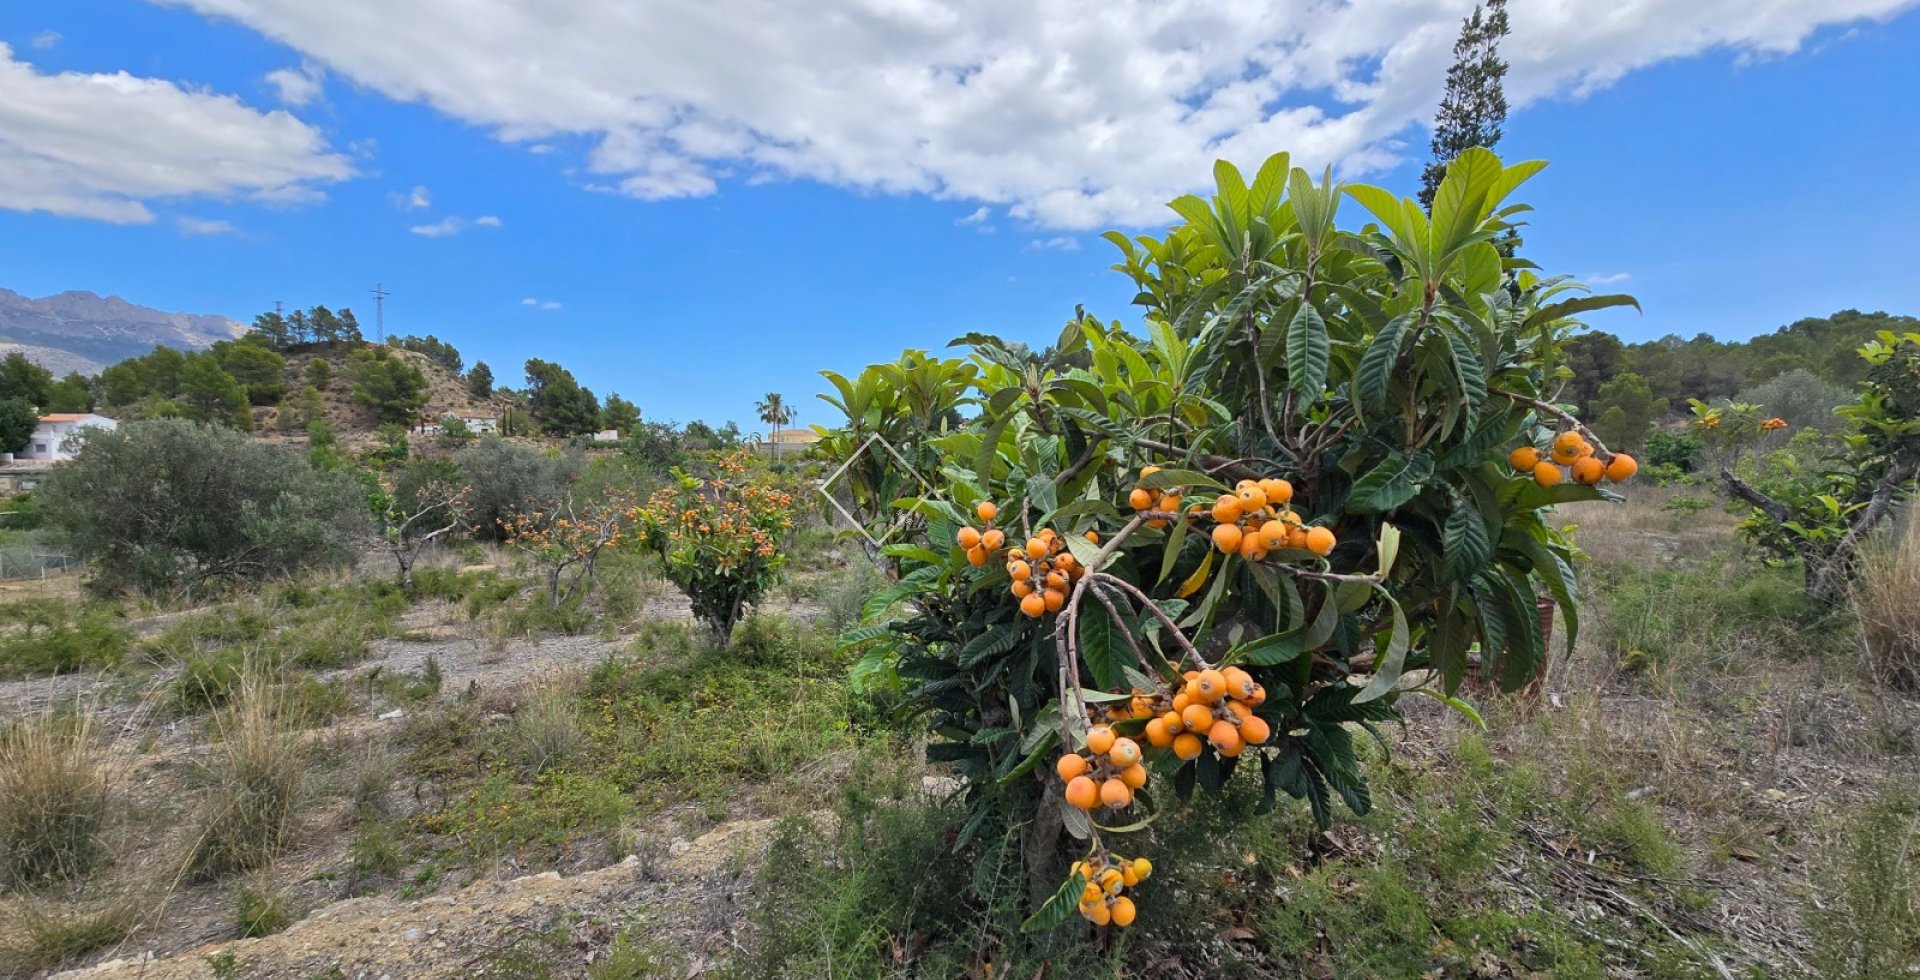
1733,184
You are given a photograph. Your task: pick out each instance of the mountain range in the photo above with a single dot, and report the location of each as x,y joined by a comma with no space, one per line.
85,332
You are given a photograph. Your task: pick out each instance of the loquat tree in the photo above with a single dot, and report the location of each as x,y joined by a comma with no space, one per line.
1311,484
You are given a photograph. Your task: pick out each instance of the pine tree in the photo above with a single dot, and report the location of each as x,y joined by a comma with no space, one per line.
1474,104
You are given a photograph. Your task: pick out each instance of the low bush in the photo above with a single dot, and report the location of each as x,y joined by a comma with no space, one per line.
259,913
546,735
60,638
53,800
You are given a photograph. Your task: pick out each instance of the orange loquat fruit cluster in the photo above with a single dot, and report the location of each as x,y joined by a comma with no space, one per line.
1254,520
1107,876
1105,773
1572,451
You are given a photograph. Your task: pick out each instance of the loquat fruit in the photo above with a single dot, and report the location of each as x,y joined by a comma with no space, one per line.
1082,793
1033,605
1198,718
1622,467
1255,730
967,537
1524,459
1140,499
1157,734
1546,474
1125,752
993,539
1115,794
1225,736
1226,537
1589,470
1135,776
1187,746
1227,510
1123,912
1100,740
1212,685
1320,541
986,511
1071,765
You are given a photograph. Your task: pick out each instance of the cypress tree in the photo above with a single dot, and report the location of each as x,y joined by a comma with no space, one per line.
1474,104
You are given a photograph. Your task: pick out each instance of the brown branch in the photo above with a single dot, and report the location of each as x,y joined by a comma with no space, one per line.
1222,465
1599,448
1741,491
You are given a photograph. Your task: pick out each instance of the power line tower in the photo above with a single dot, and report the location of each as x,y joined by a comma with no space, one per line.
380,295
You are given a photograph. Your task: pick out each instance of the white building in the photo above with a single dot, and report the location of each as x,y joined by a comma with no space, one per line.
53,439
607,435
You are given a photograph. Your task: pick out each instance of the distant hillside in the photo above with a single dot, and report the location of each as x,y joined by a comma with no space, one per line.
81,331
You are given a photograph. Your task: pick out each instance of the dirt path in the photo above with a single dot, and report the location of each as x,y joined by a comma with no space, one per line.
687,899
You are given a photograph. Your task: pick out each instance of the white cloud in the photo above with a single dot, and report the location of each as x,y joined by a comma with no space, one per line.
101,145
414,200
978,220
1058,243
45,40
1606,278
298,86
541,304
200,226
453,224
1070,114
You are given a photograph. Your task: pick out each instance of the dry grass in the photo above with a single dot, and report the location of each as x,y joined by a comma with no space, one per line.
257,772
546,734
53,800
42,935
1887,595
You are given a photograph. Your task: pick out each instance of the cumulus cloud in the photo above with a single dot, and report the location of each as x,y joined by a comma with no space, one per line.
1058,243
1070,114
199,226
45,40
297,86
1606,278
540,304
101,145
453,224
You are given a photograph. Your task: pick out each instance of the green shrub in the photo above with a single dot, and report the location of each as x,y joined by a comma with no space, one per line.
208,680
259,913
60,638
375,852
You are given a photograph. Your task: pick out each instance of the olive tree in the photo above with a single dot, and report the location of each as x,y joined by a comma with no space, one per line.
172,506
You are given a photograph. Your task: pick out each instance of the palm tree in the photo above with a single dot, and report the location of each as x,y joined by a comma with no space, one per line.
775,412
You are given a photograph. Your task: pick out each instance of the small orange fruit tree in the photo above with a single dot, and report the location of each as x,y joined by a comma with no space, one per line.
718,538
1309,484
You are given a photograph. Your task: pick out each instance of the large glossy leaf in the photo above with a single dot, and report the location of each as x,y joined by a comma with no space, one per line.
1388,663
1394,481
1307,351
1374,377
1466,546
1578,305
1058,908
1103,645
